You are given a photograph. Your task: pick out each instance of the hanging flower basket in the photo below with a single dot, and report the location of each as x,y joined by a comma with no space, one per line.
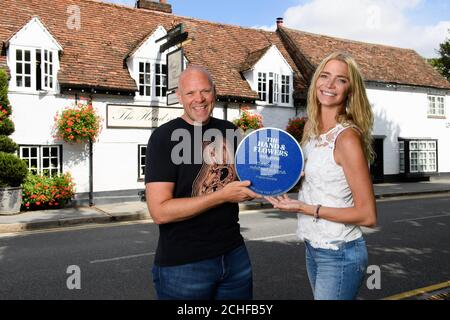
248,121
78,124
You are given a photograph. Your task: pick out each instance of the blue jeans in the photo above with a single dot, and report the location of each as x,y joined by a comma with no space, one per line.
226,277
337,274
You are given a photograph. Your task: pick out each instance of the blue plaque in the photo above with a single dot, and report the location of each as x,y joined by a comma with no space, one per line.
271,159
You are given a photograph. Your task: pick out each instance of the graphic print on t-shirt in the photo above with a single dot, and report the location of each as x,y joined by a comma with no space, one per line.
217,169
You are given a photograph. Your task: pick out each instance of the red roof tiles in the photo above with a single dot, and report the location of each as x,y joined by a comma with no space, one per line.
94,56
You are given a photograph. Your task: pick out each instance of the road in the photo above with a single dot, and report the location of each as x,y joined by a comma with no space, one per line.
410,246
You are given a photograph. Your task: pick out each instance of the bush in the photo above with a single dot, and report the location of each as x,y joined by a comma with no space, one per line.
295,127
248,121
42,192
12,170
6,127
7,145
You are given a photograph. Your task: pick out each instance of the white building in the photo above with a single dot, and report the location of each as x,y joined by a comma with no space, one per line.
58,53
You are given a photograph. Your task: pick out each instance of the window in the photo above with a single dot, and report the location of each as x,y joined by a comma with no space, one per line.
269,88
262,86
160,79
285,89
46,160
436,106
23,68
142,149
144,79
421,155
48,69
39,77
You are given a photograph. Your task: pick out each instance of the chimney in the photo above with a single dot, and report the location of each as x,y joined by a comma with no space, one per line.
154,5
279,23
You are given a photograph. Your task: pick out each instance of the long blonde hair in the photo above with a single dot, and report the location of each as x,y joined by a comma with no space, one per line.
358,111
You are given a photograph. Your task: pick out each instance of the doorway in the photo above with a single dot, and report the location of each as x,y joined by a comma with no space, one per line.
377,167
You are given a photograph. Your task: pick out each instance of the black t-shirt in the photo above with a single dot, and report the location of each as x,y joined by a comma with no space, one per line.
181,161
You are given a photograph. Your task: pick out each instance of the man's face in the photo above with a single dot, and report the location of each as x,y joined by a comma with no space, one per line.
197,96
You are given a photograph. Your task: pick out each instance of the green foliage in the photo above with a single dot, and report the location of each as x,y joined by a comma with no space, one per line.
6,127
248,121
442,64
295,127
4,102
7,145
12,170
42,192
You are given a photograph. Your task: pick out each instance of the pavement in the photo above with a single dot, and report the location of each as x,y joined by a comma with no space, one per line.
137,210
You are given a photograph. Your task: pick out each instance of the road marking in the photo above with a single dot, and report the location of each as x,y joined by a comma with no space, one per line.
123,258
424,218
420,291
273,237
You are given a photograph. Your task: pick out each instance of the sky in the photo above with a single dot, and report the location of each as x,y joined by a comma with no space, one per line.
416,24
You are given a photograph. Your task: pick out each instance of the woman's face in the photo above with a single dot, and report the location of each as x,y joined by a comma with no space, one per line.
333,84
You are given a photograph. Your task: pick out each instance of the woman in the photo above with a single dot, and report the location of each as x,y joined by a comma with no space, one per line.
336,196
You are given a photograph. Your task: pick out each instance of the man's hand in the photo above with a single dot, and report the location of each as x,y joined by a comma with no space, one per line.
237,191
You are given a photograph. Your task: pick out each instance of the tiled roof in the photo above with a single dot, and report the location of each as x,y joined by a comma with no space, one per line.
378,63
253,58
94,55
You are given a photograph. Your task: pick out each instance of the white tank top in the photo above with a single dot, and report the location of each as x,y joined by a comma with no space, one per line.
325,183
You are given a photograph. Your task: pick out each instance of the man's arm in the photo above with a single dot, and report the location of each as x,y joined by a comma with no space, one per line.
165,209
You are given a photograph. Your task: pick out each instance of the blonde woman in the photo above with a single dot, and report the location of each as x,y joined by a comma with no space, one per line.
336,196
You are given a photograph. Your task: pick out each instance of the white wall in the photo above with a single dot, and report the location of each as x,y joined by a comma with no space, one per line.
403,113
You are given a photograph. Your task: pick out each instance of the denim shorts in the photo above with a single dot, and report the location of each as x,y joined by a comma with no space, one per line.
337,274
226,277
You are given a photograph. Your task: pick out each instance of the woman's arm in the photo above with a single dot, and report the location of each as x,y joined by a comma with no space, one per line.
348,154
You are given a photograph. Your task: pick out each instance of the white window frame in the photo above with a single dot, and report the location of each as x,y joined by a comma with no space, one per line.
47,71
48,76
262,86
49,170
422,156
161,87
286,89
436,106
149,80
142,148
146,76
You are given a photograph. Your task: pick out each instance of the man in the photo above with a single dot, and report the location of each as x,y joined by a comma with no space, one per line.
201,253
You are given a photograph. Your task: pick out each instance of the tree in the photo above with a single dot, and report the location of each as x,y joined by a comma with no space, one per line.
442,64
12,169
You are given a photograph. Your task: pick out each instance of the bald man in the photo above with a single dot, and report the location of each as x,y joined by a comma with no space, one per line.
201,253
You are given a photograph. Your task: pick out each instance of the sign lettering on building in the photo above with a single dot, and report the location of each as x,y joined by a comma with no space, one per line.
131,116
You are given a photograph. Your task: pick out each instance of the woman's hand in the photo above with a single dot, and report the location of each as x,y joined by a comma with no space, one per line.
286,204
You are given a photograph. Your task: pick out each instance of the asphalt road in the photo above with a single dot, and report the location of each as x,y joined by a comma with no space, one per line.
410,246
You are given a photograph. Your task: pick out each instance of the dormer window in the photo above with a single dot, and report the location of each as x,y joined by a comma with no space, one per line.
269,74
269,88
33,58
41,61
148,67
152,79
